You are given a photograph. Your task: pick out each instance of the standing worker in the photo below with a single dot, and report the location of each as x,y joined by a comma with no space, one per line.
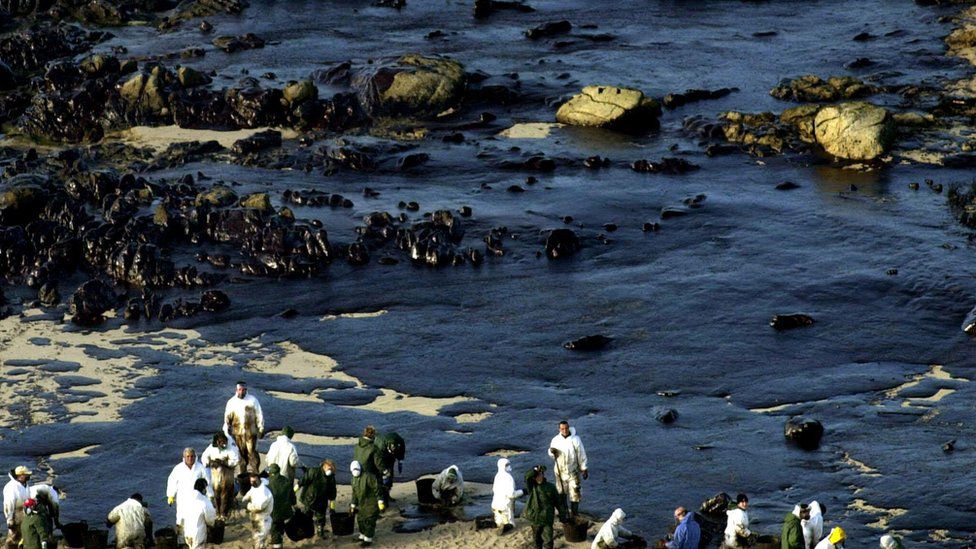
180,486
813,526
33,528
319,493
283,453
130,518
793,529
367,502
47,497
259,503
448,486
392,449
835,540
541,506
15,493
612,533
222,459
569,459
687,535
197,514
737,524
244,420
284,503
503,498
367,454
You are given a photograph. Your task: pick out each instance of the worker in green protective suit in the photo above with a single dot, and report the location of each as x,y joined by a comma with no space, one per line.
541,506
367,502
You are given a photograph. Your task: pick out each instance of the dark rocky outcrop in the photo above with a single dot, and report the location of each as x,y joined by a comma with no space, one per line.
805,433
412,85
790,321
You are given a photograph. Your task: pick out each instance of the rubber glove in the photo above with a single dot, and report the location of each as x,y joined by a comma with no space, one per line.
586,474
352,508
332,505
170,500
382,505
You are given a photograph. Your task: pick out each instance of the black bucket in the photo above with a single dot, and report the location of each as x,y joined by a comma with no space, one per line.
425,494
166,538
484,522
215,533
96,538
342,524
575,530
243,483
74,533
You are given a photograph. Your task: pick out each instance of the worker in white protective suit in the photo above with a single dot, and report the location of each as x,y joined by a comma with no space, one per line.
15,493
504,495
130,519
179,485
569,455
259,503
737,523
48,496
835,540
448,486
284,454
244,420
813,526
198,513
612,533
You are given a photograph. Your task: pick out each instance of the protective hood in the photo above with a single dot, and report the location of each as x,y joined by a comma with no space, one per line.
618,516
888,542
503,464
355,468
796,511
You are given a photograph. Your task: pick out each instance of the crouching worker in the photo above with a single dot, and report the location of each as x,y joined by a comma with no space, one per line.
130,519
891,542
319,493
448,487
503,498
366,503
612,533
835,540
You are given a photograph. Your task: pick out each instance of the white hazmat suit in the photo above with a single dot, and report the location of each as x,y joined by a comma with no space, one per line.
570,461
504,494
198,513
259,502
612,533
736,526
179,485
813,526
283,453
129,518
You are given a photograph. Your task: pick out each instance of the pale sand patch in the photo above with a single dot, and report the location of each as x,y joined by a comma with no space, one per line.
295,397
22,341
506,453
80,452
884,515
373,314
319,440
937,372
392,401
161,137
530,130
860,466
291,360
472,418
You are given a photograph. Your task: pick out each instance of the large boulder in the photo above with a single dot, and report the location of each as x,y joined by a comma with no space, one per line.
91,301
610,107
411,86
855,131
804,432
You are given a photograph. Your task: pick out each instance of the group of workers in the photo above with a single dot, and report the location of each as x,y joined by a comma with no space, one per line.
204,493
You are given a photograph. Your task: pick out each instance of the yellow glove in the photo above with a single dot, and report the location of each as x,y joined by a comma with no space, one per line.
382,505
332,505
169,500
